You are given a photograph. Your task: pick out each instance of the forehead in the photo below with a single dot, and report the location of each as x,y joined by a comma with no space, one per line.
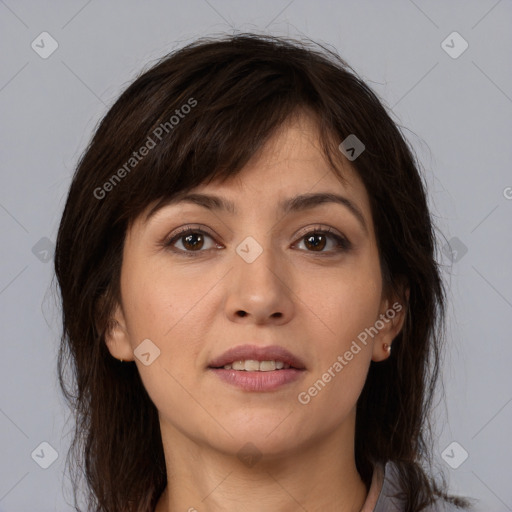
290,172
293,160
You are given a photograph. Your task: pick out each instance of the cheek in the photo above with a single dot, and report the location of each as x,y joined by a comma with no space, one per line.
343,303
342,360
160,303
168,308
173,309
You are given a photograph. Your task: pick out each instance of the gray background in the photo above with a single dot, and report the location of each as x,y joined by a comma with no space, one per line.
457,112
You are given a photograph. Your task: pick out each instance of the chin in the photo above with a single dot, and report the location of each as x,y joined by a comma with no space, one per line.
258,446
265,432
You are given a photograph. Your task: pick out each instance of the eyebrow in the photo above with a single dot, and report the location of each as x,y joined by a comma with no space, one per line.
298,203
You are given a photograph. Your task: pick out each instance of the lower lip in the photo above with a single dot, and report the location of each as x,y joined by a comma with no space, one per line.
258,381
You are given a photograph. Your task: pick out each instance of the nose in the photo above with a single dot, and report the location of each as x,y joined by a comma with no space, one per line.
260,292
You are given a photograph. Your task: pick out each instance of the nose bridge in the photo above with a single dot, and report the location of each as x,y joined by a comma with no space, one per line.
257,264
259,282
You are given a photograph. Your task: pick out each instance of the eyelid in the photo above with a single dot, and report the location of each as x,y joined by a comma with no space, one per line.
199,228
317,228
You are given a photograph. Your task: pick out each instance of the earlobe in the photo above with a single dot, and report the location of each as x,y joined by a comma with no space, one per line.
117,338
390,323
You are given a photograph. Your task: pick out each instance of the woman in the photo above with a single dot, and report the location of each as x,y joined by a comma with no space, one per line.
251,304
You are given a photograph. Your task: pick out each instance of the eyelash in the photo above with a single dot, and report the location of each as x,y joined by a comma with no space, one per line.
343,244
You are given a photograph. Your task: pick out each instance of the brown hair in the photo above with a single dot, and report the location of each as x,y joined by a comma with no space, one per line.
240,90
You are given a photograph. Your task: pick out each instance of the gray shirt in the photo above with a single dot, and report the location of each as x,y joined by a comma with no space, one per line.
385,484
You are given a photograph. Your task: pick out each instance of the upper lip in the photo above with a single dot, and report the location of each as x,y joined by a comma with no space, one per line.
257,353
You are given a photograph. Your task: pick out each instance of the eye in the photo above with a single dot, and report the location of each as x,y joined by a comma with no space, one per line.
191,240
318,239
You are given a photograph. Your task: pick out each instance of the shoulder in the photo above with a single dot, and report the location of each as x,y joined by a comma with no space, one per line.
388,501
442,505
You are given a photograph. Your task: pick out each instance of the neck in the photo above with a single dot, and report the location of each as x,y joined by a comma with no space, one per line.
320,476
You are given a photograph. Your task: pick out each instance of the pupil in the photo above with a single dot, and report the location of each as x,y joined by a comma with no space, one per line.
316,246
190,244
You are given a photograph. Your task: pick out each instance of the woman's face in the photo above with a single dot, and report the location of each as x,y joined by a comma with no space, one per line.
250,277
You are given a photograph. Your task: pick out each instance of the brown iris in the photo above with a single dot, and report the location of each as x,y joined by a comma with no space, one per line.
193,241
311,241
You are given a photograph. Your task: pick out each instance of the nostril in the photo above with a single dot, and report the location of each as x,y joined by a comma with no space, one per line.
241,313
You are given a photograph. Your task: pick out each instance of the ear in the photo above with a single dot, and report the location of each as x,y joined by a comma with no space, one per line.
389,323
116,336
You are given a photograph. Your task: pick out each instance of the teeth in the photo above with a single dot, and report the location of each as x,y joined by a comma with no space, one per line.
250,365
267,366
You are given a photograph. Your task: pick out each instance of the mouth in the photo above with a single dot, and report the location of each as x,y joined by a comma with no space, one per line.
254,368
253,358
252,365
